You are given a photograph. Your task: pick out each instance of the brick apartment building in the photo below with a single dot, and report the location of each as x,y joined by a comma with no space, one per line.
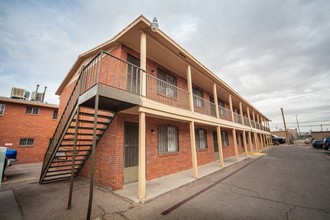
27,126
149,109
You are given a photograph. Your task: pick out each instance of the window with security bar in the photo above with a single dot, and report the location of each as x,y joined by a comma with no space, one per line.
224,139
168,141
200,138
198,97
166,84
26,142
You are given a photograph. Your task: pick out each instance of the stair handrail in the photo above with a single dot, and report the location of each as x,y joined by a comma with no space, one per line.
60,126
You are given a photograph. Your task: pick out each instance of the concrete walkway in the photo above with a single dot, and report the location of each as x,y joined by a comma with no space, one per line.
9,209
165,184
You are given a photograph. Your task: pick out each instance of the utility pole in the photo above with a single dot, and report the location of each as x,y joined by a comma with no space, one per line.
321,128
286,131
298,125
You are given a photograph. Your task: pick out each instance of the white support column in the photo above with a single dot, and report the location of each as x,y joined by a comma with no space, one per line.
245,144
254,118
231,107
142,157
235,144
193,149
241,112
256,141
248,113
220,146
143,62
215,95
261,142
190,90
250,142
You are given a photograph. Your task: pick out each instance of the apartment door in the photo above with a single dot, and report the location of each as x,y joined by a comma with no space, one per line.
131,151
133,75
216,146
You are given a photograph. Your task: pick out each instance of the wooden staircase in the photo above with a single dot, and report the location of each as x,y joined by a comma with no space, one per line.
60,165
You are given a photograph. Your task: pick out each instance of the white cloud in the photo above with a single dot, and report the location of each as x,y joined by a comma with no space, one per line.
275,54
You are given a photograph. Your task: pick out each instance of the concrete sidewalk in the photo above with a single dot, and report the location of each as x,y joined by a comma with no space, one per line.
9,209
165,184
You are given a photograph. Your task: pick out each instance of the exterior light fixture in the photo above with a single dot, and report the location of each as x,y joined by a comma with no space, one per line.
154,25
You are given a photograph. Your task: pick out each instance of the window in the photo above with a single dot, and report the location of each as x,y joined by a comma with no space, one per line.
166,85
198,97
168,139
55,114
32,110
26,142
133,74
224,139
200,138
237,140
2,109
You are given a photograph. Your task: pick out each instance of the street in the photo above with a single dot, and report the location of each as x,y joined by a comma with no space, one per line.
287,182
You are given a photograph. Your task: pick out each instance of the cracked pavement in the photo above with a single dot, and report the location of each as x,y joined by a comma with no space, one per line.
289,182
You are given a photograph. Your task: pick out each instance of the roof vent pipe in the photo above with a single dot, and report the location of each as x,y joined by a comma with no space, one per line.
43,95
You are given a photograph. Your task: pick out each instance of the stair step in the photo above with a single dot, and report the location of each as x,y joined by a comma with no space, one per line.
92,121
82,134
55,171
92,115
55,179
72,139
65,165
57,174
64,161
88,128
71,145
72,150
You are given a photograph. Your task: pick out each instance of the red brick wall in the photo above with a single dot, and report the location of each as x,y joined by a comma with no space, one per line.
165,164
16,124
109,152
228,151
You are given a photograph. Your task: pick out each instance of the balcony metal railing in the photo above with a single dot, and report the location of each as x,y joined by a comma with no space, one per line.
161,91
105,69
238,118
204,106
246,121
225,113
253,124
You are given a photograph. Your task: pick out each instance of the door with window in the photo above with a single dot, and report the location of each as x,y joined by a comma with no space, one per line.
131,152
133,75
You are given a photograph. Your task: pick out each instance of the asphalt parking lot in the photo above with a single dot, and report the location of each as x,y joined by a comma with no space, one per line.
288,182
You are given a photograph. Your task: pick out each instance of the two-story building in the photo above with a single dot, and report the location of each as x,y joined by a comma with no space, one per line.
27,126
144,108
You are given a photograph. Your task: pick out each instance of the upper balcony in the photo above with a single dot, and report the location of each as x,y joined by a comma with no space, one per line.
116,79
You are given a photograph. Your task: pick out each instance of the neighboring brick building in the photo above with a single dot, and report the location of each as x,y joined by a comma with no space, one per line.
27,126
158,111
320,135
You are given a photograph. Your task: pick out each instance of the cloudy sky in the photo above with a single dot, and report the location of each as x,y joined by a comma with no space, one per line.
276,54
